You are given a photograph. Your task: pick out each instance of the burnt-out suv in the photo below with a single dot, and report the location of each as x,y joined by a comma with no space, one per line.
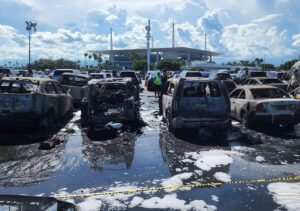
111,100
196,103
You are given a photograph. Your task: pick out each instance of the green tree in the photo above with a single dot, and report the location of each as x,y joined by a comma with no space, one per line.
43,64
287,65
268,67
169,65
139,64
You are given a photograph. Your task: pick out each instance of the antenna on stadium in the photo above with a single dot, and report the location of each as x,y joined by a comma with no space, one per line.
111,39
173,34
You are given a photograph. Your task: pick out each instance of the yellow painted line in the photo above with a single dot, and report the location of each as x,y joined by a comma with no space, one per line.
176,187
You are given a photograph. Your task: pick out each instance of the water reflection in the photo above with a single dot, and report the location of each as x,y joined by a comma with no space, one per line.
26,164
175,153
115,154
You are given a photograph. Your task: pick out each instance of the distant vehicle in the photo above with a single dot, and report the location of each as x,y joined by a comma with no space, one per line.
76,85
130,74
32,101
97,75
194,74
58,72
149,80
266,81
253,105
5,72
110,100
243,75
220,76
196,103
279,75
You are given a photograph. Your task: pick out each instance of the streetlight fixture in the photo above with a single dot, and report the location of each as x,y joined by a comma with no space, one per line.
30,26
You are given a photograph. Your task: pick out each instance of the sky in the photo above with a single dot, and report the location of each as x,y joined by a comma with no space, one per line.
239,29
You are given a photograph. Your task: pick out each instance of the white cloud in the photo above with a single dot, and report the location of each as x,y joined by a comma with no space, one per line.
111,18
267,18
296,39
255,40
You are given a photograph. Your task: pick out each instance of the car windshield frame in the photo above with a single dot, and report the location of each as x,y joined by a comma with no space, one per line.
266,93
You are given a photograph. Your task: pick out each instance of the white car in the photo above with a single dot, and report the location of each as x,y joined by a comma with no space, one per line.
193,74
253,105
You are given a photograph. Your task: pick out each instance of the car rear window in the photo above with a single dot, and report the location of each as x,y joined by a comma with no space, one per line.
60,72
97,76
18,86
258,74
201,89
127,74
73,80
268,93
193,74
270,81
223,76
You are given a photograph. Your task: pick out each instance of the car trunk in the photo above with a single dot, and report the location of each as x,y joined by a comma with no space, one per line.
15,103
281,106
204,100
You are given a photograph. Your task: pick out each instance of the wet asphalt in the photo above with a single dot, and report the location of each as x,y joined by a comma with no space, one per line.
146,155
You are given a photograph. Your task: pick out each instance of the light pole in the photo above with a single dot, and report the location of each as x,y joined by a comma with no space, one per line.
29,26
148,37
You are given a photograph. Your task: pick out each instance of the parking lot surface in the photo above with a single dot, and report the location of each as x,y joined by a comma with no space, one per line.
150,157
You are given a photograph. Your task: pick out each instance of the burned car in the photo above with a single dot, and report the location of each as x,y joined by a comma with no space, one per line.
266,81
196,103
35,101
253,105
76,85
110,100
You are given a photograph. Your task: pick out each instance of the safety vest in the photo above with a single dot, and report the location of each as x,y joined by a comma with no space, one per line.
157,81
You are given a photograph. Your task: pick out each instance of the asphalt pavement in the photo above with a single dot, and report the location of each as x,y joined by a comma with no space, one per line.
149,157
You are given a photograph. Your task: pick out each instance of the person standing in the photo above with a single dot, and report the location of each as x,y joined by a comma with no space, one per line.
157,85
164,79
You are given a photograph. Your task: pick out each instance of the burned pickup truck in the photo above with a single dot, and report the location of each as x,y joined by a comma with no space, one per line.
30,101
110,100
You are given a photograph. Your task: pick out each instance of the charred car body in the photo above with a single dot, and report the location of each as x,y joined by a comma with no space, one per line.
77,86
254,105
196,103
110,100
32,101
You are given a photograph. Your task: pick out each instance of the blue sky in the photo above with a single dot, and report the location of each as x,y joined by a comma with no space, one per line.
239,29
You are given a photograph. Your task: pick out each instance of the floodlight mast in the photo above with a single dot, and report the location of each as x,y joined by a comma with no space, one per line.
148,37
29,26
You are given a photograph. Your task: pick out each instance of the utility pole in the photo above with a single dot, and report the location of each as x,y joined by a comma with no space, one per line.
29,26
148,37
173,35
205,41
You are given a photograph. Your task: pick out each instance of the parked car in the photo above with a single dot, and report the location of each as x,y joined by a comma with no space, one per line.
266,81
220,75
281,75
196,103
110,100
193,74
58,72
77,85
130,74
253,105
243,75
5,72
32,101
97,76
149,80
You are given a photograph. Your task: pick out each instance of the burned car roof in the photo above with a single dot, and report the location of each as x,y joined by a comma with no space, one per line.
26,79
